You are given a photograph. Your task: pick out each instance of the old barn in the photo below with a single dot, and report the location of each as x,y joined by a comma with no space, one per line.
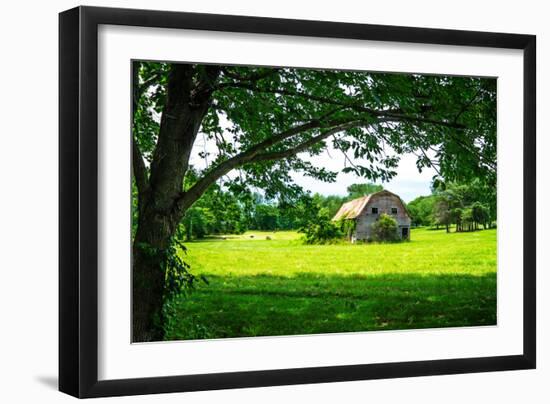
366,210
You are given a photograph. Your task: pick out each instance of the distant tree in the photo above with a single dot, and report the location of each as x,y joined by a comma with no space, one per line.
467,218
466,204
385,228
219,211
266,217
442,211
456,217
197,222
329,202
293,216
421,210
358,190
481,214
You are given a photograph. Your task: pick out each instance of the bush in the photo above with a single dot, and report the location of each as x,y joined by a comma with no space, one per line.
321,230
347,227
385,228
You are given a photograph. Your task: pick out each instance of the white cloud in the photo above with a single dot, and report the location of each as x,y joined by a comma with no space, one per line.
408,183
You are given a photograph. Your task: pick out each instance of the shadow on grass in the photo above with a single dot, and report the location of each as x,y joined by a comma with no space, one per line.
264,305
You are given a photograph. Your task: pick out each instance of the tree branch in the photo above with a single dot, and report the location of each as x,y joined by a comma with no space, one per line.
139,89
256,149
138,166
139,170
466,106
346,158
393,115
254,154
305,145
253,77
432,163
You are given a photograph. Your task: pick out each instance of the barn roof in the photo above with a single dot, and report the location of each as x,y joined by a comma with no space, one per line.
353,208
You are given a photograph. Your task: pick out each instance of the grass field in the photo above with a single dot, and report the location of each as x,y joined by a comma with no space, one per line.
261,287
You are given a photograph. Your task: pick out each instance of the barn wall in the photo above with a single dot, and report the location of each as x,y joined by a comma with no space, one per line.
384,203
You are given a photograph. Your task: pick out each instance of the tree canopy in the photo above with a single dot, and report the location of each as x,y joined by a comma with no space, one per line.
261,119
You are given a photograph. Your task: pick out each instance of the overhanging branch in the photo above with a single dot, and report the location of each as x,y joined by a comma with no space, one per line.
305,145
256,154
388,115
250,78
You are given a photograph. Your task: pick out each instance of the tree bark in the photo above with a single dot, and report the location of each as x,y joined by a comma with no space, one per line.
187,101
152,236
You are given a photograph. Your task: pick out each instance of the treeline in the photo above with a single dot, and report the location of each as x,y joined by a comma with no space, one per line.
220,211
228,211
468,206
225,211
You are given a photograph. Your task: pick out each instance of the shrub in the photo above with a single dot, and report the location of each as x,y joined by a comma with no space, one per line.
347,227
385,228
321,230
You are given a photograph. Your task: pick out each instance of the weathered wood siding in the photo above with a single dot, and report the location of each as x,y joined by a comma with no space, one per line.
384,203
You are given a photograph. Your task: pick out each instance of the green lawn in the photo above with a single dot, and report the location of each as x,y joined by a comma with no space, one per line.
283,287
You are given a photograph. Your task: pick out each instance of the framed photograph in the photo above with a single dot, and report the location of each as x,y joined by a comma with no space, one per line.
251,201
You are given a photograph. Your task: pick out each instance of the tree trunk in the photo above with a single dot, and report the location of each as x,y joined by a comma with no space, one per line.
188,94
148,277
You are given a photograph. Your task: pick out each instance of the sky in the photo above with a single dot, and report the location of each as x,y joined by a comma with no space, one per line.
408,183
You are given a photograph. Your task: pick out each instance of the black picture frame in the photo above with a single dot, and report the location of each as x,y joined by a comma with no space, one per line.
78,201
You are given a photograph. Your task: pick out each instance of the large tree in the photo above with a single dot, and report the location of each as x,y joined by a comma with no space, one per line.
266,121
